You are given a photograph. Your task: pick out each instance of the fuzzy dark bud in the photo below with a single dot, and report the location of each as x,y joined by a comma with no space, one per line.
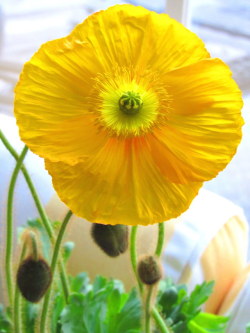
149,270
33,279
112,239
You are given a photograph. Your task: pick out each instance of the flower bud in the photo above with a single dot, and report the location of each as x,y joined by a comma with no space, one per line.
169,297
112,239
149,270
33,279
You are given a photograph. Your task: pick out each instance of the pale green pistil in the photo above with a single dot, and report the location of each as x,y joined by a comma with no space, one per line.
130,103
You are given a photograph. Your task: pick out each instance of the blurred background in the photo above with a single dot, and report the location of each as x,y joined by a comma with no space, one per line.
223,25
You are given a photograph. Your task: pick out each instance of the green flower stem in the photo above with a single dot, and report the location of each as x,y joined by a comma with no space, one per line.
148,310
9,226
158,250
41,211
34,246
133,256
160,241
64,280
159,321
17,314
34,194
53,268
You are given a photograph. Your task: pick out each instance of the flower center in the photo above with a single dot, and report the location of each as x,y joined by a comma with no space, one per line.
130,103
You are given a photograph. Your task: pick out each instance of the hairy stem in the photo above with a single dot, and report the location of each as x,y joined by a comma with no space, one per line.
9,226
43,322
159,321
133,256
17,314
158,251
148,310
160,242
41,211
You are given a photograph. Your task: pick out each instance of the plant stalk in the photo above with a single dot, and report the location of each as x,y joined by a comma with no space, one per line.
133,256
9,226
160,242
148,310
17,315
41,211
159,321
35,252
158,251
43,322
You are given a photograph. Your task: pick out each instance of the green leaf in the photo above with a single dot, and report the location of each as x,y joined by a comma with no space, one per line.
115,302
80,283
104,308
5,324
198,296
72,315
180,327
128,318
208,323
99,283
182,294
248,328
58,305
81,314
182,313
29,314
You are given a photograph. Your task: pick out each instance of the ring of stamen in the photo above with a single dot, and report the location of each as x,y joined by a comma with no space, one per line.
128,103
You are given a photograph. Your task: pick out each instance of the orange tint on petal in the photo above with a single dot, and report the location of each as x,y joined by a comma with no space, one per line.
123,188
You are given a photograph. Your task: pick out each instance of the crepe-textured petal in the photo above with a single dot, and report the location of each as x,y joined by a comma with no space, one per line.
130,114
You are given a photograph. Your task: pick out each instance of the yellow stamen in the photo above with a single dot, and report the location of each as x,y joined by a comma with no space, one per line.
129,104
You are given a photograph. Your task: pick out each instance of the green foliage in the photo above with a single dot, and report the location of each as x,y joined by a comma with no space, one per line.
103,308
198,296
182,313
248,328
29,314
58,306
208,323
80,283
5,324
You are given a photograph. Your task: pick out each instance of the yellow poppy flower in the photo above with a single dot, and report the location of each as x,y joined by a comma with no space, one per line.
131,115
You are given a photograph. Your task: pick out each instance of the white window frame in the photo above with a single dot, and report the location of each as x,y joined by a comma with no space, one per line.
178,9
9,70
